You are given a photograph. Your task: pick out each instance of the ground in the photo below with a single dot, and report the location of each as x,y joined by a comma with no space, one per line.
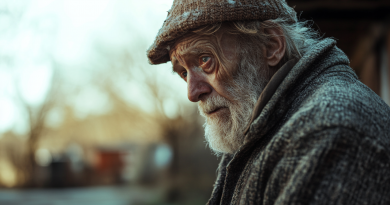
81,196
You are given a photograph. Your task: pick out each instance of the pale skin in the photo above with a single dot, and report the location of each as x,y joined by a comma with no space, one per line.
197,65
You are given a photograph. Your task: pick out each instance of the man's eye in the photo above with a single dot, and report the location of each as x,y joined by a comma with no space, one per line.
206,63
205,59
184,74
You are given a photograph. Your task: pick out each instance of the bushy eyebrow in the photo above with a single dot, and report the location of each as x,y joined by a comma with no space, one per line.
175,64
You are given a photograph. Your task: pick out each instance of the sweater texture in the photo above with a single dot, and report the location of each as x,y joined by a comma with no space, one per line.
322,137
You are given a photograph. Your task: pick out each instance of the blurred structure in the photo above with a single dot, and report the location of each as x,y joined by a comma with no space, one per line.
362,31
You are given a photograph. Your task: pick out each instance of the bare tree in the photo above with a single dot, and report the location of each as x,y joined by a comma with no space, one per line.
36,117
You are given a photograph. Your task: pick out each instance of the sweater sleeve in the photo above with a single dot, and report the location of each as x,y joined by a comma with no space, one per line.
336,166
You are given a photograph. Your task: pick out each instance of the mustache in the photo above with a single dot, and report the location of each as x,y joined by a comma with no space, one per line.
212,103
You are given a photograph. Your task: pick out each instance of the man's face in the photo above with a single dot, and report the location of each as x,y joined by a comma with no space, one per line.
205,63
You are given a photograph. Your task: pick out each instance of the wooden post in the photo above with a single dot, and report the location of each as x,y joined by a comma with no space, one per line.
388,61
369,73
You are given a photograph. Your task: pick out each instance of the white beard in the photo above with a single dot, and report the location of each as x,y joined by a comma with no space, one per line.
224,130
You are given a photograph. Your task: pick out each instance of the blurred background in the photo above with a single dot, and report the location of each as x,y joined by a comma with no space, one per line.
84,119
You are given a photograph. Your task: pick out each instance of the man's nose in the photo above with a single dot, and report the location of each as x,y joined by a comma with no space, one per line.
197,87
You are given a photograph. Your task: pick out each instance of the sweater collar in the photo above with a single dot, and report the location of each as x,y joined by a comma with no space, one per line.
270,89
275,91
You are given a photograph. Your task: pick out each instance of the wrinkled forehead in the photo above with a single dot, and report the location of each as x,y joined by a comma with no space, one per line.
222,44
192,44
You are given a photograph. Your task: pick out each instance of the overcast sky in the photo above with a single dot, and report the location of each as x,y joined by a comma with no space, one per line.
67,31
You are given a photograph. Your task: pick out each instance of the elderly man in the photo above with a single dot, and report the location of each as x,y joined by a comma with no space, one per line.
293,123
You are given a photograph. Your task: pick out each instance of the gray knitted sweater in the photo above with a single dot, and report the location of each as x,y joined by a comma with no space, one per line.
319,137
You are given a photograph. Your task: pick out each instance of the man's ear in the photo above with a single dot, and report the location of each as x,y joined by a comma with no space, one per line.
276,47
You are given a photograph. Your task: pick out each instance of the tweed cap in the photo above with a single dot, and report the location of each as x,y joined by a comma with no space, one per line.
186,15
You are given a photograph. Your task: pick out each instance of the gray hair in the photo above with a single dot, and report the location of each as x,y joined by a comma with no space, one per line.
299,36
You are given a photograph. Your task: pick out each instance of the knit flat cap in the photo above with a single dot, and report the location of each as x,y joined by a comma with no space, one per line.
186,15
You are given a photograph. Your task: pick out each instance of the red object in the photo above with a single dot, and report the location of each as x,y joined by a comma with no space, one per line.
110,161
